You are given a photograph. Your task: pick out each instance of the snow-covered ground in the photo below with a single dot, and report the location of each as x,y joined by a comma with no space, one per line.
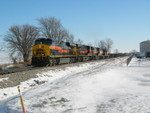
5,60
95,87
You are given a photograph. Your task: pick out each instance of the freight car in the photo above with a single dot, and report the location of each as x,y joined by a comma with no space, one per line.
49,52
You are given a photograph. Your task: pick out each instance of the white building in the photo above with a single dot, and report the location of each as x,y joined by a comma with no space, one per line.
145,48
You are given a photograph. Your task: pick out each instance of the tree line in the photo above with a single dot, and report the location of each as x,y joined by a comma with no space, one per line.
20,38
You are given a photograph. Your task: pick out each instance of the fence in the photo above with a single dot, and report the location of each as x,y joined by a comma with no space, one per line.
129,59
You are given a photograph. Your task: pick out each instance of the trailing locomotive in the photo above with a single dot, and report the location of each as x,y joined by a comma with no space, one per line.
49,52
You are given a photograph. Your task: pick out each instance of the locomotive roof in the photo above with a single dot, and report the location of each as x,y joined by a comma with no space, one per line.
45,39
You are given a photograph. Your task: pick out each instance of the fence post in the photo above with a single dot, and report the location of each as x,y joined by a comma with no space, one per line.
21,100
129,59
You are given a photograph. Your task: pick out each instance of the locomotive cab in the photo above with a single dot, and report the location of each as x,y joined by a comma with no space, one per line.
43,41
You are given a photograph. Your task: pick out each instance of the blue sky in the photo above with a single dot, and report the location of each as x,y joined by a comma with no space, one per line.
126,22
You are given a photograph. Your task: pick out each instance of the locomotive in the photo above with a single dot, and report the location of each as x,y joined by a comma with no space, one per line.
47,52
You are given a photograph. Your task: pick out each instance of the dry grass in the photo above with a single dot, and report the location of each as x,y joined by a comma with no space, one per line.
11,65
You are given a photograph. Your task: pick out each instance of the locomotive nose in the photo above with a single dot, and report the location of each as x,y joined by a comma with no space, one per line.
40,52
40,46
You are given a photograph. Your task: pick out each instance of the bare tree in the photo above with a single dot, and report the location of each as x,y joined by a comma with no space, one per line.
96,43
105,44
89,44
102,45
2,45
70,38
108,44
20,40
79,41
52,28
116,51
1,49
133,52
13,58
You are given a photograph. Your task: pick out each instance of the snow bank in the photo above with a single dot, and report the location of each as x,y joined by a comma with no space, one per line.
3,79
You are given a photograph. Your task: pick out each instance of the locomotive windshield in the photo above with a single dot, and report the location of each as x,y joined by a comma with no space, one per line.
43,41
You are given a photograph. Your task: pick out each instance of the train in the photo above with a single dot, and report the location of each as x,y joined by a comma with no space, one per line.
47,52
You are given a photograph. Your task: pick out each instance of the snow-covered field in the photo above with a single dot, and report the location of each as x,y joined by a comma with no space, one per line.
5,60
95,87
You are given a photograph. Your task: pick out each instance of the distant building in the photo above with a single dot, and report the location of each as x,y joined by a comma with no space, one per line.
145,48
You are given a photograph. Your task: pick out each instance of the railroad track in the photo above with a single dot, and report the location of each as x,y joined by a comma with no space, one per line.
9,71
3,72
